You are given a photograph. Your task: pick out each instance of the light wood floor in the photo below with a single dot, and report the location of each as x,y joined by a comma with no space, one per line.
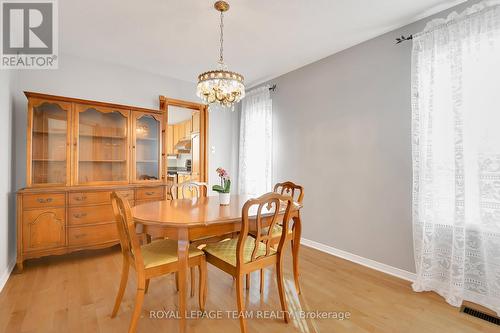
75,293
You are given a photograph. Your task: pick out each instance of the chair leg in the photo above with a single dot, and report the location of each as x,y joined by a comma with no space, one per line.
177,281
248,281
261,281
295,258
121,289
241,305
193,282
146,288
139,299
281,290
202,293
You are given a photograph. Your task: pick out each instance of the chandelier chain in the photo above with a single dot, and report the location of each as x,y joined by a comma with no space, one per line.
221,52
221,85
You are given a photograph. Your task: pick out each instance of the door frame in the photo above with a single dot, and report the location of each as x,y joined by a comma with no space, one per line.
165,102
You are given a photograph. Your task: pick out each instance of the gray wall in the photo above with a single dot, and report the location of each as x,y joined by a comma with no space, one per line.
342,128
223,147
7,231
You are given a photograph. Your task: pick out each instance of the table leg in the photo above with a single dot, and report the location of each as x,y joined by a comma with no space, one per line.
295,249
183,255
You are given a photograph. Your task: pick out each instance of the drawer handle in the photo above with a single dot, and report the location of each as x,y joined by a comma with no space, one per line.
80,235
80,198
150,193
79,215
41,200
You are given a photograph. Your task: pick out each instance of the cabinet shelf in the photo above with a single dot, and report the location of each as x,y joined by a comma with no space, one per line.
103,161
84,135
47,160
147,139
147,161
56,132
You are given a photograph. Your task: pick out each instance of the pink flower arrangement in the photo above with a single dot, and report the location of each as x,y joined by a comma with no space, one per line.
225,182
222,173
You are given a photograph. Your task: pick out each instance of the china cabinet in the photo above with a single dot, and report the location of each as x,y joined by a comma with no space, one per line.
78,153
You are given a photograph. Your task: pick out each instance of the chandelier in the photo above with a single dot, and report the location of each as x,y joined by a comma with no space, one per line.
220,85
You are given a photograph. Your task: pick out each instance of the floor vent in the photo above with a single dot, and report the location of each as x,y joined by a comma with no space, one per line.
480,315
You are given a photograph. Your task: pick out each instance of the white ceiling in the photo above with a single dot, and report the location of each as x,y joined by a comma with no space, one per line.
263,38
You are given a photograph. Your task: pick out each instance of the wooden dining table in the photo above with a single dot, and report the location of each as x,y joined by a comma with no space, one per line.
187,220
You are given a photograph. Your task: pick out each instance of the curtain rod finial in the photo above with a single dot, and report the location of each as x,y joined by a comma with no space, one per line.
401,39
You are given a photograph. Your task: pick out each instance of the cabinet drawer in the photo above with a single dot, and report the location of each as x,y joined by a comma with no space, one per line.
89,198
91,235
95,198
43,229
41,200
90,214
149,193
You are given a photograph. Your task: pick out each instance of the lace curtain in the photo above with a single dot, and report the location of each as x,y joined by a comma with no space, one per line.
456,156
255,159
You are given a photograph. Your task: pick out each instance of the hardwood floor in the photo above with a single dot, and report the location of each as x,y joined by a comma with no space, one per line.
75,293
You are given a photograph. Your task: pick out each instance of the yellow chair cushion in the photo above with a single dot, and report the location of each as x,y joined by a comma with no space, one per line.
226,250
164,251
277,230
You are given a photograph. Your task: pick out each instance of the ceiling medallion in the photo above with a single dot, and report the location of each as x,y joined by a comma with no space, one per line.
220,85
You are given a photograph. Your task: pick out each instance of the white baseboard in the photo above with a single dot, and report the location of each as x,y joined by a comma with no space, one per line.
4,276
399,273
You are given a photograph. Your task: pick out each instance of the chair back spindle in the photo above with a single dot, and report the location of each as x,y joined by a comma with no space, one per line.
268,209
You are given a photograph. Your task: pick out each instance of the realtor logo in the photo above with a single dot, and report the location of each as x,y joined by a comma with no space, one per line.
29,34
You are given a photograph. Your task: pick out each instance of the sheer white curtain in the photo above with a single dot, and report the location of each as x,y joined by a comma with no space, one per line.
456,156
256,142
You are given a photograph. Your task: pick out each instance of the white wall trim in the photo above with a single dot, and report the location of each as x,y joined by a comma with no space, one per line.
4,276
399,273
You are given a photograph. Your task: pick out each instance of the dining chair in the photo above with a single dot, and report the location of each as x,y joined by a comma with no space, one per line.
297,193
188,190
149,261
245,254
184,191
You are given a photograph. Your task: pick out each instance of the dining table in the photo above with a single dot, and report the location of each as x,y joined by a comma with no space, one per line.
188,220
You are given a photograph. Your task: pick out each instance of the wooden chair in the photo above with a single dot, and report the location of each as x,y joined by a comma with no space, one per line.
297,193
150,260
188,190
245,254
184,191
290,189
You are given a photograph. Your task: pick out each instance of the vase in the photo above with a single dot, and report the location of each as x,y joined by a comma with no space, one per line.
224,198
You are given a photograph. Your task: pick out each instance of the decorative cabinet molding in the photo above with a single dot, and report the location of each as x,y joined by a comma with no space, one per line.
44,229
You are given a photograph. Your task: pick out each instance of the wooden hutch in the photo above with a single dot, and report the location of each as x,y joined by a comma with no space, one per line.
78,152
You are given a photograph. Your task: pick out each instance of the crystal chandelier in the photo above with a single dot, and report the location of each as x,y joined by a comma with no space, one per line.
220,85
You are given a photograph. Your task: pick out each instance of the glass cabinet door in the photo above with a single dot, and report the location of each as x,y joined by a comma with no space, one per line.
102,145
147,147
49,143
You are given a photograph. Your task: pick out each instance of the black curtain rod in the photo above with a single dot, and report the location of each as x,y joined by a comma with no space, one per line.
402,39
272,88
